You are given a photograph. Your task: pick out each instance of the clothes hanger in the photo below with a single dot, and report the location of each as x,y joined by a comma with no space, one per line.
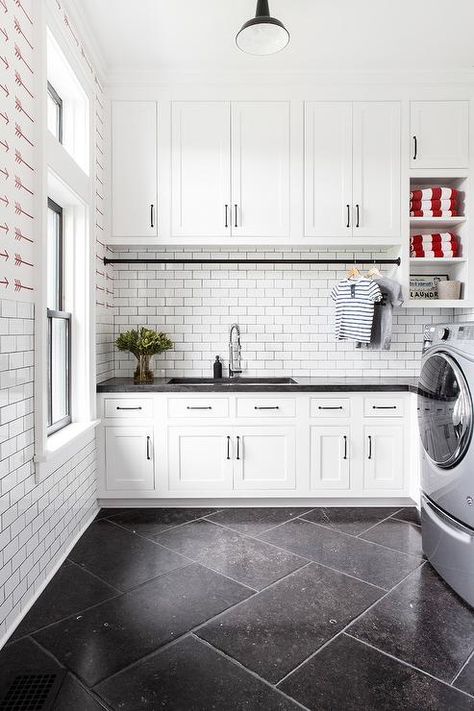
353,272
373,272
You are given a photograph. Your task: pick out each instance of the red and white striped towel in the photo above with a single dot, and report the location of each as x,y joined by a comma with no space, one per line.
435,193
436,238
434,204
434,213
434,253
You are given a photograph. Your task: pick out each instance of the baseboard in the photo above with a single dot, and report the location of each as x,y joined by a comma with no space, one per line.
255,502
48,579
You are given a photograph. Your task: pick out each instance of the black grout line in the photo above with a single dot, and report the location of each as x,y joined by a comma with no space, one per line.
249,671
408,664
358,617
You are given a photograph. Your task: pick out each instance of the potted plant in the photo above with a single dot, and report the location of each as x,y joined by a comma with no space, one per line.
143,343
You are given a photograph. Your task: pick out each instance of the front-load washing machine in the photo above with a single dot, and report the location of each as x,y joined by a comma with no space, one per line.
445,419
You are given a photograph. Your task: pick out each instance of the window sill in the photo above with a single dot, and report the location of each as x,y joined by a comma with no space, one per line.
61,446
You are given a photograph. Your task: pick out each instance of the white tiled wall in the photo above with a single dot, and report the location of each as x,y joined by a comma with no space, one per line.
37,521
285,314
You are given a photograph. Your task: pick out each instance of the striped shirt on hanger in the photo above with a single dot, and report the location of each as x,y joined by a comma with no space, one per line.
355,300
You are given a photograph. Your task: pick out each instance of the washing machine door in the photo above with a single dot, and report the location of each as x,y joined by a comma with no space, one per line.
444,410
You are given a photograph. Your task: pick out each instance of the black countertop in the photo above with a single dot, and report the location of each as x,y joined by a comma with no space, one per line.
162,385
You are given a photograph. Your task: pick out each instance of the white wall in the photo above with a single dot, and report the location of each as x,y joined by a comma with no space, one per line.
39,522
285,313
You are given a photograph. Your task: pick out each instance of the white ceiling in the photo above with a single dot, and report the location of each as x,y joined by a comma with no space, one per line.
326,35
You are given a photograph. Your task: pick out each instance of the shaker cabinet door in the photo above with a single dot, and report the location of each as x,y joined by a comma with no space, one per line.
439,134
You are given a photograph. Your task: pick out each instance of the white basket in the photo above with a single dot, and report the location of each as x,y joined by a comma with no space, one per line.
449,290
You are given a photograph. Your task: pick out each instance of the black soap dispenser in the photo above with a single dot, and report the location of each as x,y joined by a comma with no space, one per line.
217,368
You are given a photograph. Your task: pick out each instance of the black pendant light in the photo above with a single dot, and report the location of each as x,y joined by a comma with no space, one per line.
263,34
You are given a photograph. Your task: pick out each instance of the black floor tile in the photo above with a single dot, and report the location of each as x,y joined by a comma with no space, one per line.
121,558
253,521
150,522
349,676
23,657
71,590
107,638
251,562
422,622
410,514
74,697
190,676
277,629
350,519
106,513
364,560
465,680
399,535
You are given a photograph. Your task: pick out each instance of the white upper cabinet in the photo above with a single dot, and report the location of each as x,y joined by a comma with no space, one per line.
230,166
439,134
261,169
376,169
200,169
134,169
352,169
328,168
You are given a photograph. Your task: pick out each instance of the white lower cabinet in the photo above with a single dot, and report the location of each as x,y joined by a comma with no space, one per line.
265,458
384,463
129,460
199,459
330,457
295,445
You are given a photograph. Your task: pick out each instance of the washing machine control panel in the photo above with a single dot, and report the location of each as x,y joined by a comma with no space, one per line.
434,334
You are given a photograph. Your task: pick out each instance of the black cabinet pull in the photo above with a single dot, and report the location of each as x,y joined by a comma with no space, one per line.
152,215
330,407
227,216
357,215
148,447
370,448
235,216
348,215
415,145
128,408
345,447
228,447
384,407
198,407
238,448
266,407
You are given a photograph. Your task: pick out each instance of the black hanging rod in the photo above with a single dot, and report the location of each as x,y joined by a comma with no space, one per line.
223,260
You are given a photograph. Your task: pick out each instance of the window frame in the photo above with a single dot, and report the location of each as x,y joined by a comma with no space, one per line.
59,313
59,103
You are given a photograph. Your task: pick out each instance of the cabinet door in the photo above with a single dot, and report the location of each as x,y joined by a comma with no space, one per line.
330,464
439,134
261,169
129,462
134,169
384,460
200,165
264,458
328,169
376,169
200,459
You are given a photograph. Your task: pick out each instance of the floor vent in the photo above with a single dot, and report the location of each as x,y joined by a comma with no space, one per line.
32,692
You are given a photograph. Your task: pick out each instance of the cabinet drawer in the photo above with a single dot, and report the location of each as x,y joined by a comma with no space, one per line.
330,407
265,407
383,407
198,407
128,408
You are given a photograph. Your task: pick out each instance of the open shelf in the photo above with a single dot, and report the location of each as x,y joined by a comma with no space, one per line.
436,303
433,261
425,222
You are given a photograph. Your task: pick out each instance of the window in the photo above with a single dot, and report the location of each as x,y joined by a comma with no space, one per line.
55,113
59,326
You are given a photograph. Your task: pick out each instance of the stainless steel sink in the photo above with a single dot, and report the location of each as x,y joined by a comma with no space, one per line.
231,381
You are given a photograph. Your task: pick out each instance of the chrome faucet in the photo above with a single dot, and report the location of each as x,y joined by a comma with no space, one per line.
235,365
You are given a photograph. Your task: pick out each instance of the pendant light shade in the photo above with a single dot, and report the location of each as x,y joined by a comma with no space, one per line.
263,34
